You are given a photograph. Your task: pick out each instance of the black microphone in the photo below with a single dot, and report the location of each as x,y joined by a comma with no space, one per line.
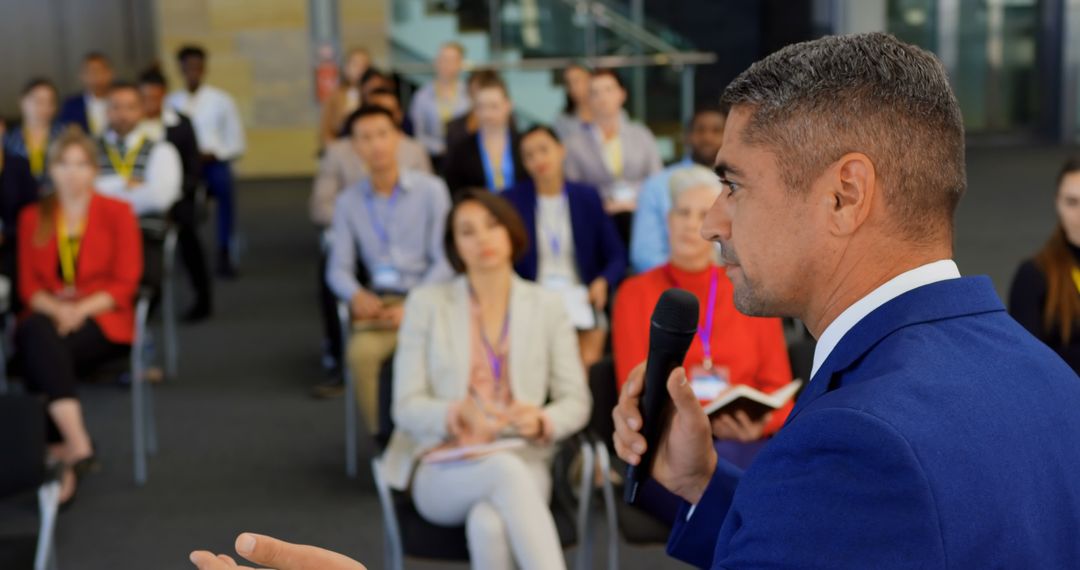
673,326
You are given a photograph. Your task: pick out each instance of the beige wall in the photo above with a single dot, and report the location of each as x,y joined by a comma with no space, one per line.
261,53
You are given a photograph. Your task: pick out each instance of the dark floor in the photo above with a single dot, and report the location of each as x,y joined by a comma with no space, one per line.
244,448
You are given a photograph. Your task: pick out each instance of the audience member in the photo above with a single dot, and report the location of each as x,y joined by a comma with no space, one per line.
220,132
341,165
78,314
648,238
484,356
346,98
730,348
18,189
30,138
1045,292
614,154
162,123
439,101
133,166
391,222
575,246
492,158
87,109
466,126
576,113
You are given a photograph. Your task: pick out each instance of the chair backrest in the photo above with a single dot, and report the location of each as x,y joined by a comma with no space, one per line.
22,443
154,231
605,395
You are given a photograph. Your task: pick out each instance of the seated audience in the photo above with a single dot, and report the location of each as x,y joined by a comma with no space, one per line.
576,113
134,166
1045,293
440,101
392,222
163,123
18,189
574,242
491,158
486,356
346,98
614,153
341,165
466,125
30,138
78,315
649,237
87,109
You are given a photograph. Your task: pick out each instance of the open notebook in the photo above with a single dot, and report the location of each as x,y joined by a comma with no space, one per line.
752,401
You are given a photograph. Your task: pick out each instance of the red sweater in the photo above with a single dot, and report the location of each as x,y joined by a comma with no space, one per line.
110,260
753,349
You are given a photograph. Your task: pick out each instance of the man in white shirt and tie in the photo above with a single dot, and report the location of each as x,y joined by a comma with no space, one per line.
220,133
134,167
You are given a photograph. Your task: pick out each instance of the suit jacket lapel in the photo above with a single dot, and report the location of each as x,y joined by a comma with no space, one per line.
520,319
938,301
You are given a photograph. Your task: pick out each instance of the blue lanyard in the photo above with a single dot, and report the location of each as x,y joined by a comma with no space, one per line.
507,164
554,240
377,223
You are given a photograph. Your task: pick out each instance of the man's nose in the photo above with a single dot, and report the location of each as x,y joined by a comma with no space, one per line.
717,224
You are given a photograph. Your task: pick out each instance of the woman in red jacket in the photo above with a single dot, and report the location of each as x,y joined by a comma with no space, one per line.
80,261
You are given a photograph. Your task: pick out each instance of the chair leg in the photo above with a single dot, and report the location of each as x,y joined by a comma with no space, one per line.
352,467
151,420
48,505
585,493
168,294
394,551
138,386
603,461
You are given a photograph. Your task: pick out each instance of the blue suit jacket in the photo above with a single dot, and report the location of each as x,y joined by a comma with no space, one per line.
597,246
938,434
73,112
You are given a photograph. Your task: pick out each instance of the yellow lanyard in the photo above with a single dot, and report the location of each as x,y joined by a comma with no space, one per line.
1076,278
613,154
445,106
68,244
125,165
36,154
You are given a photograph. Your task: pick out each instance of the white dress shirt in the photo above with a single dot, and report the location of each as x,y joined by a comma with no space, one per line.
918,277
96,114
216,121
160,187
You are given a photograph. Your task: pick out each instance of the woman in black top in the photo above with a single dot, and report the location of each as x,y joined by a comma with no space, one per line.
491,158
1045,293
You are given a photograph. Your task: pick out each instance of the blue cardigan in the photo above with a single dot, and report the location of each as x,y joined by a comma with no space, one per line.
597,246
938,434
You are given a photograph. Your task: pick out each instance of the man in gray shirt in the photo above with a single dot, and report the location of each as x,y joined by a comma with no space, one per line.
393,222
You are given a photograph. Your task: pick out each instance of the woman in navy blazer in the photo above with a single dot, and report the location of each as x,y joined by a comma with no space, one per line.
557,214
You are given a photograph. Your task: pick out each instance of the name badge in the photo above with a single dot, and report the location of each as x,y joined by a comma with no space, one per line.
709,383
386,277
623,192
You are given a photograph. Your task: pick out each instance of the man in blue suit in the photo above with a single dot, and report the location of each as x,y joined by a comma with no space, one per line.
87,109
935,432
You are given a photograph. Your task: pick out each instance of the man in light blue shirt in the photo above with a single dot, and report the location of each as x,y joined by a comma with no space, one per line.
649,238
393,222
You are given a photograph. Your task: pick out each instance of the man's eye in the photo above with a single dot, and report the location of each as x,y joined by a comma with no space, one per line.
732,186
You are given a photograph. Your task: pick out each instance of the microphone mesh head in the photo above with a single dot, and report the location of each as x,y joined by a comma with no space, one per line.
676,311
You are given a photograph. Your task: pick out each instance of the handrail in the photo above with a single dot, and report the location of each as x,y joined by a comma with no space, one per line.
676,59
624,25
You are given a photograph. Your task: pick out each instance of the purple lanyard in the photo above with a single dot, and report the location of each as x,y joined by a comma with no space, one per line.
553,238
494,359
377,224
705,330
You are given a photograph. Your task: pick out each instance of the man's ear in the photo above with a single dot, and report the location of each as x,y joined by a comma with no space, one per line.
853,191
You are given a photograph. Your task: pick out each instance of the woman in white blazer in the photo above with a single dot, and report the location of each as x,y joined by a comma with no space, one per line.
485,356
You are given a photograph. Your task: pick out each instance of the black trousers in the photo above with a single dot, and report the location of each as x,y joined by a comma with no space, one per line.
328,310
191,249
53,364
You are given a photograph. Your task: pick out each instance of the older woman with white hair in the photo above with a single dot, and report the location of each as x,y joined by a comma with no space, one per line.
730,348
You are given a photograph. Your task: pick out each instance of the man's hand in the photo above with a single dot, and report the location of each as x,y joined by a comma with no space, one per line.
598,293
276,555
365,305
392,315
685,459
739,427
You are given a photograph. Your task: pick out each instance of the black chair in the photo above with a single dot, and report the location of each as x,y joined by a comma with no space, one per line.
636,526
22,450
408,534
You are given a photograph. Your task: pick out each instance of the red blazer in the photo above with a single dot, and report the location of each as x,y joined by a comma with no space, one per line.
110,260
753,349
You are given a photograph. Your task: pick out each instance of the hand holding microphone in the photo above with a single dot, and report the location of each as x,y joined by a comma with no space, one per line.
673,448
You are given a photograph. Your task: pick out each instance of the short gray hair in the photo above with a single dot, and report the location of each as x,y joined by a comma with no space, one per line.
692,176
815,101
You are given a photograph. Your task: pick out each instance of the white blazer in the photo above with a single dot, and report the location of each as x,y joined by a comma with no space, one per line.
431,367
